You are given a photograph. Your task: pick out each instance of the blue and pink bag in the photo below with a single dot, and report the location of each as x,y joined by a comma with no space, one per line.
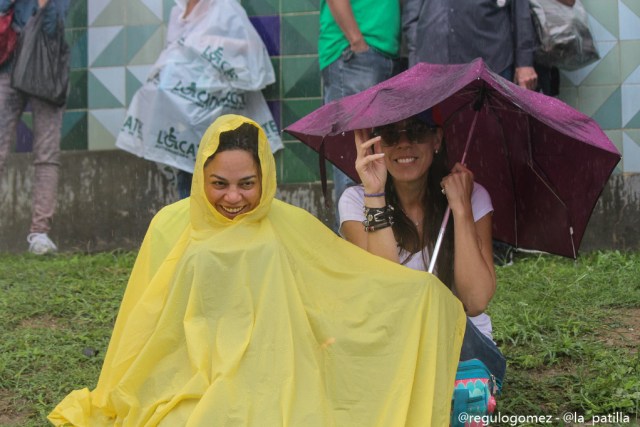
473,394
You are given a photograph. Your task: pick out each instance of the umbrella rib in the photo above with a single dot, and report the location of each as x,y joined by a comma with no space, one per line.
533,166
564,205
530,161
505,146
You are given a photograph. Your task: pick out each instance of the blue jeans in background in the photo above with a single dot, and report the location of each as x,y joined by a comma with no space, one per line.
349,74
183,182
476,345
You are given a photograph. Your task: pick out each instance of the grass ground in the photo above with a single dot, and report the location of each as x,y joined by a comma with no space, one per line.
570,330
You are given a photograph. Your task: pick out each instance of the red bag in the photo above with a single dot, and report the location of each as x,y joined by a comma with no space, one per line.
8,37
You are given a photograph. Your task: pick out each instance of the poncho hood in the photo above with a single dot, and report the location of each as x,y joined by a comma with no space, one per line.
270,320
205,217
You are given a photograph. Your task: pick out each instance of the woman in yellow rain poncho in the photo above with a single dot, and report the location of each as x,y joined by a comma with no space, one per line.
242,310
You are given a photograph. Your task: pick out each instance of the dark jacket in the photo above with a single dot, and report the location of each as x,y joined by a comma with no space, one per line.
458,31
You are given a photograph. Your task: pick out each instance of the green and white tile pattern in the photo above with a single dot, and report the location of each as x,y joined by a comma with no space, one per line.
114,42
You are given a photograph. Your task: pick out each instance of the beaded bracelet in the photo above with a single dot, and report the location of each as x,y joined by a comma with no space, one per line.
378,218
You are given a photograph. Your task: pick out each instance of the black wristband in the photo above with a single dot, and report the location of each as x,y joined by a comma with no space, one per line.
378,218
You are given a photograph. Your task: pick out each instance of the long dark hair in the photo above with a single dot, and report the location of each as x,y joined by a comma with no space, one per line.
434,206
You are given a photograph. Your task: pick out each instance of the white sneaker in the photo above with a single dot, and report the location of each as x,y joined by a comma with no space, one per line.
40,244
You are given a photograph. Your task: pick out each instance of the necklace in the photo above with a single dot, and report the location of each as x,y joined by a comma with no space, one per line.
415,222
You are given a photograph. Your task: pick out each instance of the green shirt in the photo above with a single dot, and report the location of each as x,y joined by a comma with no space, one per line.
379,23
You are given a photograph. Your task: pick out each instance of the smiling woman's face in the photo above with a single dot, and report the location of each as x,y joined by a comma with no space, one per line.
408,157
232,183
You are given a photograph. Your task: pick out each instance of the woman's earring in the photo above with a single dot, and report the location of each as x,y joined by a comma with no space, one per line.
436,151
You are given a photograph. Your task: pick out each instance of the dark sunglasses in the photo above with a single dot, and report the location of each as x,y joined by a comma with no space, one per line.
416,132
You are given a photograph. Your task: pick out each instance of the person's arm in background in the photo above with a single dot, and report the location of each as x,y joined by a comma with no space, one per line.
343,15
410,14
524,43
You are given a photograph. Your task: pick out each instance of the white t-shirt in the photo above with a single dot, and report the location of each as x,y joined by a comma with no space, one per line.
351,208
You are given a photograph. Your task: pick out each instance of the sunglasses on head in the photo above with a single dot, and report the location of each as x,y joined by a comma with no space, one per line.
415,132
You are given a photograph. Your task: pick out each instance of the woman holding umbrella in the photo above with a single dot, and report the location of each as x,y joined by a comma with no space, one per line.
397,211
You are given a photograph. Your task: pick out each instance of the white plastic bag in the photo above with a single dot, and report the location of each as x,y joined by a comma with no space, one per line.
216,68
168,116
223,37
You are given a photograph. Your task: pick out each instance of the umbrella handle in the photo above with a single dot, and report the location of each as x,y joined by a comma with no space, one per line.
445,220
436,248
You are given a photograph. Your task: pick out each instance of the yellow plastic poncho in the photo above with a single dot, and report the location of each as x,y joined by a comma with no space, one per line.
270,320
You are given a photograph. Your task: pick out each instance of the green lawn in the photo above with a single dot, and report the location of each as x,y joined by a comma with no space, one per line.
570,331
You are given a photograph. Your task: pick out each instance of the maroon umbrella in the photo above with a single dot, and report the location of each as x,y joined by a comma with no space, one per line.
543,163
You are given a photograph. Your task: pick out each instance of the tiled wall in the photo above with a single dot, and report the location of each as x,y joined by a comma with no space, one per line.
297,90
609,90
115,41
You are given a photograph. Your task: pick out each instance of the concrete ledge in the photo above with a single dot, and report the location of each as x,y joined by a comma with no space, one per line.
107,198
615,222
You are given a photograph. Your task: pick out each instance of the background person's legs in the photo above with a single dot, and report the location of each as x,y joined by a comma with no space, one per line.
183,183
47,123
11,106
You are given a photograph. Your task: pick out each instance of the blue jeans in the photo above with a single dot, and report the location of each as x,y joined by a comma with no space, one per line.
183,182
349,74
476,345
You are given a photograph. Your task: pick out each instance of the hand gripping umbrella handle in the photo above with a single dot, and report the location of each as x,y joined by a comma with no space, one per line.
445,220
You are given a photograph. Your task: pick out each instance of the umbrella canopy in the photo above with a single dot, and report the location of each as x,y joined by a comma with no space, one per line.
543,163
